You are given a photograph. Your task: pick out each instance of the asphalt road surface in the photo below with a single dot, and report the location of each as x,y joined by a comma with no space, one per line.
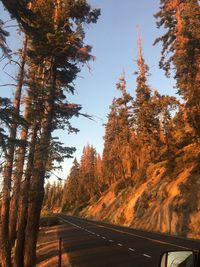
91,244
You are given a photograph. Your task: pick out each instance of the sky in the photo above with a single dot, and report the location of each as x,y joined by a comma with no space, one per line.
114,41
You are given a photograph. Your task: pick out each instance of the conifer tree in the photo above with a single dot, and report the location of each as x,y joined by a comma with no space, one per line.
181,49
146,121
88,172
99,174
8,166
18,96
117,154
61,47
109,152
3,45
71,190
124,108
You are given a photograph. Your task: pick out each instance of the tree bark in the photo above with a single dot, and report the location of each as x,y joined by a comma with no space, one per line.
38,175
20,160
16,188
22,219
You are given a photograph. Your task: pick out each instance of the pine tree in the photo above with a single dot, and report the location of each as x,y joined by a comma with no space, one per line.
109,153
163,106
71,190
6,119
7,170
99,174
181,49
117,154
18,96
61,48
88,172
125,135
3,45
145,114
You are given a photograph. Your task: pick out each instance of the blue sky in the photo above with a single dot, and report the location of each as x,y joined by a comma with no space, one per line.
114,41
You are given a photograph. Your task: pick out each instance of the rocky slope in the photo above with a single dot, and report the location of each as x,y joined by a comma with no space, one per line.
166,199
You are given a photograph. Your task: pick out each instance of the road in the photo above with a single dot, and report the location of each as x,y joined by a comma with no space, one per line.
97,244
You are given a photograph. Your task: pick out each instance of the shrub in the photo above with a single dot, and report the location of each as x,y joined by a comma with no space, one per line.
122,184
103,205
49,221
122,218
119,186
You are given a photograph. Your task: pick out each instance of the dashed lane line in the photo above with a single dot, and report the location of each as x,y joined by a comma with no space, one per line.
143,237
146,255
110,240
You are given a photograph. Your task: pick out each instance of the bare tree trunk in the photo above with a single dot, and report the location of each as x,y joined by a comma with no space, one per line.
16,177
7,171
22,219
38,175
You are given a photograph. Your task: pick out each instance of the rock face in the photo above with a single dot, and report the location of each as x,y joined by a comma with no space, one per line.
167,200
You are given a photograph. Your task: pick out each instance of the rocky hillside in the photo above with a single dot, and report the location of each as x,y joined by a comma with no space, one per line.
167,200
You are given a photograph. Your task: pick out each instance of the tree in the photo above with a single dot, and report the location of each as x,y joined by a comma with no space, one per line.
61,47
3,45
88,180
181,50
124,109
71,190
8,166
99,174
117,154
145,114
109,153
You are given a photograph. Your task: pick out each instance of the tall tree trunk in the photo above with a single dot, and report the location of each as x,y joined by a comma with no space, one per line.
20,161
39,170
22,219
38,175
7,171
17,177
22,199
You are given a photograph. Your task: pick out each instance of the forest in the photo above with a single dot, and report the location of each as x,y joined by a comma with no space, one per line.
146,136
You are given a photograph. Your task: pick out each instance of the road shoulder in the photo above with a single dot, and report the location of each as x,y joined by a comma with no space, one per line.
48,247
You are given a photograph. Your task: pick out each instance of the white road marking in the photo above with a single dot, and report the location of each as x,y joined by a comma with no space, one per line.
120,231
147,238
119,244
110,240
131,249
98,235
103,237
145,255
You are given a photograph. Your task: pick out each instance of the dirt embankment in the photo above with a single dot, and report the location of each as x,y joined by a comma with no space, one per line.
167,201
